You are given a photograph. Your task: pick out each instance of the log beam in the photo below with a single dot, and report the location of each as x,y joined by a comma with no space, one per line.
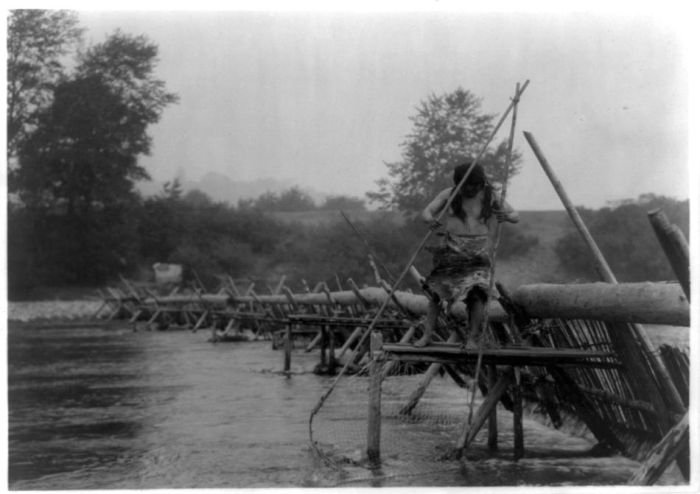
650,303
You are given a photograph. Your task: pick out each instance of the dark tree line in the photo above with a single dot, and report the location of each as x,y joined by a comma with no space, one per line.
626,239
295,199
74,141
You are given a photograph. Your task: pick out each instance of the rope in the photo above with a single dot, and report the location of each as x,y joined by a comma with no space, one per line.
492,254
405,271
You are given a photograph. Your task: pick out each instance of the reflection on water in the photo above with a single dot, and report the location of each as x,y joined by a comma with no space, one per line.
104,408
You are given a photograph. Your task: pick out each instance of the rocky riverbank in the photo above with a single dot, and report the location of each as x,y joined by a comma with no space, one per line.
52,310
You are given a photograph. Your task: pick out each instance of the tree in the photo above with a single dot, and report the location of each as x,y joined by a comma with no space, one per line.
447,130
37,41
77,168
84,151
293,199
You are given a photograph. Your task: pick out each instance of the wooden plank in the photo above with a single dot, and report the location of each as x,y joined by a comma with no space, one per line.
449,348
494,358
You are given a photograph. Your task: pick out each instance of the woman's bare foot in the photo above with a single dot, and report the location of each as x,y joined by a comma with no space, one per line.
470,344
425,339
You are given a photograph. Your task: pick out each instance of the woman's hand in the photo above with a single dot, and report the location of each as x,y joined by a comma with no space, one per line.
509,215
434,225
501,216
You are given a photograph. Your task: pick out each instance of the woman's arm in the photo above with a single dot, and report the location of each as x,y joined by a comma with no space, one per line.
429,214
505,212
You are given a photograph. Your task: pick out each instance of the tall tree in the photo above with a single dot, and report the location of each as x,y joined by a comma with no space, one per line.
84,152
37,41
448,129
78,167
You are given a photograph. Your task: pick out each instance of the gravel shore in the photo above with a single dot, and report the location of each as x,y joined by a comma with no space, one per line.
52,309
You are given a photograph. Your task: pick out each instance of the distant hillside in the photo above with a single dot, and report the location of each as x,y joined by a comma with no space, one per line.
317,217
222,188
539,265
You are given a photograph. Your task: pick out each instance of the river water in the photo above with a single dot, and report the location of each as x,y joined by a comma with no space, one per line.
110,408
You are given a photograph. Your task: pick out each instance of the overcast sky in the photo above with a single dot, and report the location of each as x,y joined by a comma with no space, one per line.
323,99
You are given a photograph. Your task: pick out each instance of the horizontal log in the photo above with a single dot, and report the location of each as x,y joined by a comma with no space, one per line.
414,303
645,303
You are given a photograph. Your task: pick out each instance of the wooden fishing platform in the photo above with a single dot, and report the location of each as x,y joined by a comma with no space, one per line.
584,340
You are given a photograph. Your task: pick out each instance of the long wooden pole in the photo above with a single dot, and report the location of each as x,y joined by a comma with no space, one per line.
492,253
665,385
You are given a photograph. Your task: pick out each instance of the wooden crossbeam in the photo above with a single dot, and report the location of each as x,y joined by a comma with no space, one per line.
522,355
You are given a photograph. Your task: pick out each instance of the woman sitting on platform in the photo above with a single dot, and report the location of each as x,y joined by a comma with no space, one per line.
461,261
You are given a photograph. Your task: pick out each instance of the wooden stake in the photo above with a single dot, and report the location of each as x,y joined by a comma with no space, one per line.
331,349
279,286
493,416
374,414
518,439
314,342
494,395
324,345
432,371
288,350
354,336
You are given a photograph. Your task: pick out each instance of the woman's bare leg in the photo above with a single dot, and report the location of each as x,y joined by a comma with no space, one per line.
430,323
475,305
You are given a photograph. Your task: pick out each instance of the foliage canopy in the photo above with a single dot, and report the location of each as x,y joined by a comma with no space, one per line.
626,239
448,129
37,42
83,152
